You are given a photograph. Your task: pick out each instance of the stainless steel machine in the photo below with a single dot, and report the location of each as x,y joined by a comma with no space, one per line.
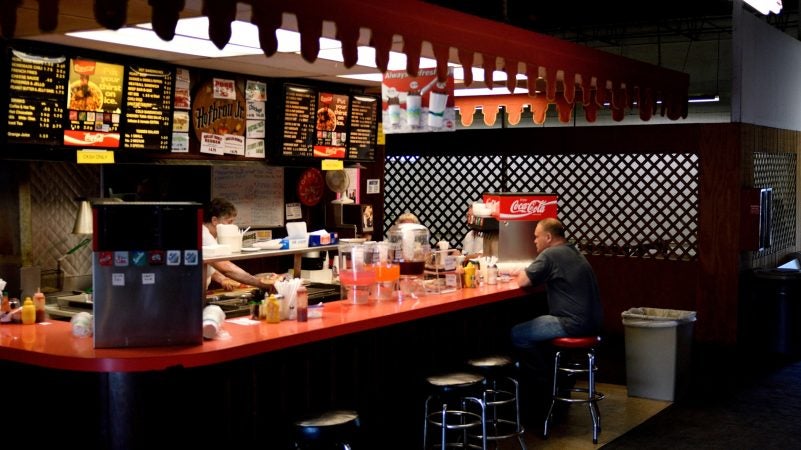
147,271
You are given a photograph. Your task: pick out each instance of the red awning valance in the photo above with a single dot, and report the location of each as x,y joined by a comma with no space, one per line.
563,68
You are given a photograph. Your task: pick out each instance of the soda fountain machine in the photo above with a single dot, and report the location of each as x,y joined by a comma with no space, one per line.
517,214
147,270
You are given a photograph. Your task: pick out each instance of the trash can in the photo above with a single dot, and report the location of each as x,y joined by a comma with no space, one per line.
658,343
771,315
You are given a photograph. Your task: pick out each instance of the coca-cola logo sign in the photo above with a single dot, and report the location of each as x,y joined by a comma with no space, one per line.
529,207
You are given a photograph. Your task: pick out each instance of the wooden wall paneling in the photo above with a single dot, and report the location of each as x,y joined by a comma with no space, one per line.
719,205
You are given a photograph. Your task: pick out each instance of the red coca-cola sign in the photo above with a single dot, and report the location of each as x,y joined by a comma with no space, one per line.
522,206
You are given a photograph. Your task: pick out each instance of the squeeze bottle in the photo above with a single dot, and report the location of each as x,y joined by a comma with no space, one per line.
28,312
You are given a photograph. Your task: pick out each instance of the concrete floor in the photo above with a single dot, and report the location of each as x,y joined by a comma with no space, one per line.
619,413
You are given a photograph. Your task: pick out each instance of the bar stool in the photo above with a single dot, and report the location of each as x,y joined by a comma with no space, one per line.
456,407
502,397
336,429
573,365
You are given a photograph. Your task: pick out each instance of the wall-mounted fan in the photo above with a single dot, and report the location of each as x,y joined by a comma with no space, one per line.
338,181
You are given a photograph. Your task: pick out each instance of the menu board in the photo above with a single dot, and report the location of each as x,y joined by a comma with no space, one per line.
363,120
94,103
331,125
37,86
323,124
299,122
148,108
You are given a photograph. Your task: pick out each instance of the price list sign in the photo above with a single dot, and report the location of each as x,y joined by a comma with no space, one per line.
148,111
36,99
363,128
299,122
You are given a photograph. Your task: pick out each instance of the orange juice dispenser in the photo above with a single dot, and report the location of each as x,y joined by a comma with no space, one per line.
517,214
387,272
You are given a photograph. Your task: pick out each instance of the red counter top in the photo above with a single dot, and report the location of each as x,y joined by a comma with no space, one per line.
52,345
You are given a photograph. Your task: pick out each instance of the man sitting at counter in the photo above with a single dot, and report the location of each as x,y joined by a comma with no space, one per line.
225,273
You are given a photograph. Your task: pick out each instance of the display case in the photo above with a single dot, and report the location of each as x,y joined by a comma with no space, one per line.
440,274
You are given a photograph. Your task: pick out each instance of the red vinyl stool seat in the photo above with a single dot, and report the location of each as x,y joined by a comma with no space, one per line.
575,356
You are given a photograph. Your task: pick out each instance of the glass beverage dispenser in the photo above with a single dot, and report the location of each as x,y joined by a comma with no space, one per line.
414,246
357,272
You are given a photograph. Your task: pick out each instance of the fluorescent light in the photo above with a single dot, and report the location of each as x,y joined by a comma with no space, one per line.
704,99
485,91
145,38
766,6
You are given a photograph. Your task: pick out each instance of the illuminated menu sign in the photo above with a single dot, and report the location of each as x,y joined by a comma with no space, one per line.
299,121
363,128
94,100
36,98
148,108
321,124
331,126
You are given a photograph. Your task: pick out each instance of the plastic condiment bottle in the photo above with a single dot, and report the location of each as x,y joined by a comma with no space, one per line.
5,306
39,305
273,310
302,304
492,275
28,312
470,276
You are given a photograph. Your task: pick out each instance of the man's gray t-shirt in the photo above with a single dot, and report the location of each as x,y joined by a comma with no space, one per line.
571,286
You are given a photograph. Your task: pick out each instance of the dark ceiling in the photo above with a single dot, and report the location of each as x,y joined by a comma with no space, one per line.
622,22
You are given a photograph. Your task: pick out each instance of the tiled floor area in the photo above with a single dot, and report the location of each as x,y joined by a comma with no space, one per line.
619,413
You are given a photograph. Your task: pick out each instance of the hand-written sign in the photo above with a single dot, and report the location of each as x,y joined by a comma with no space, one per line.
256,190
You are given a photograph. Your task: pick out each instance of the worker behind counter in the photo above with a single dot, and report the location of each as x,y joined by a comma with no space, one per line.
226,273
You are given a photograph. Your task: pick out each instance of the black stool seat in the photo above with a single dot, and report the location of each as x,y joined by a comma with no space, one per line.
501,396
567,360
334,429
456,407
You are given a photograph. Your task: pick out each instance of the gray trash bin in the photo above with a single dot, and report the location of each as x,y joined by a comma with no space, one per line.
658,343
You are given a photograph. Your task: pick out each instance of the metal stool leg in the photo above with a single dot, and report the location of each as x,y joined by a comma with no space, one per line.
554,392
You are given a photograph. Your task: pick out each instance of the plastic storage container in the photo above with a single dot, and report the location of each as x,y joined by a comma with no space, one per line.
658,344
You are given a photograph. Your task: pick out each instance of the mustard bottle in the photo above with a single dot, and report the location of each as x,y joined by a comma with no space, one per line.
273,310
28,312
470,276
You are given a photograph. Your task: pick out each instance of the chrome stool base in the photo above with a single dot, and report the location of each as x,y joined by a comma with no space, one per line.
456,408
502,394
574,368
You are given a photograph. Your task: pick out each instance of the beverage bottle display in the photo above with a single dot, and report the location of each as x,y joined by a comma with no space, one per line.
28,312
414,105
39,306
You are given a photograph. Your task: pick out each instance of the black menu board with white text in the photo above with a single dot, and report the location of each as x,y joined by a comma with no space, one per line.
363,121
299,122
37,89
322,123
148,108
